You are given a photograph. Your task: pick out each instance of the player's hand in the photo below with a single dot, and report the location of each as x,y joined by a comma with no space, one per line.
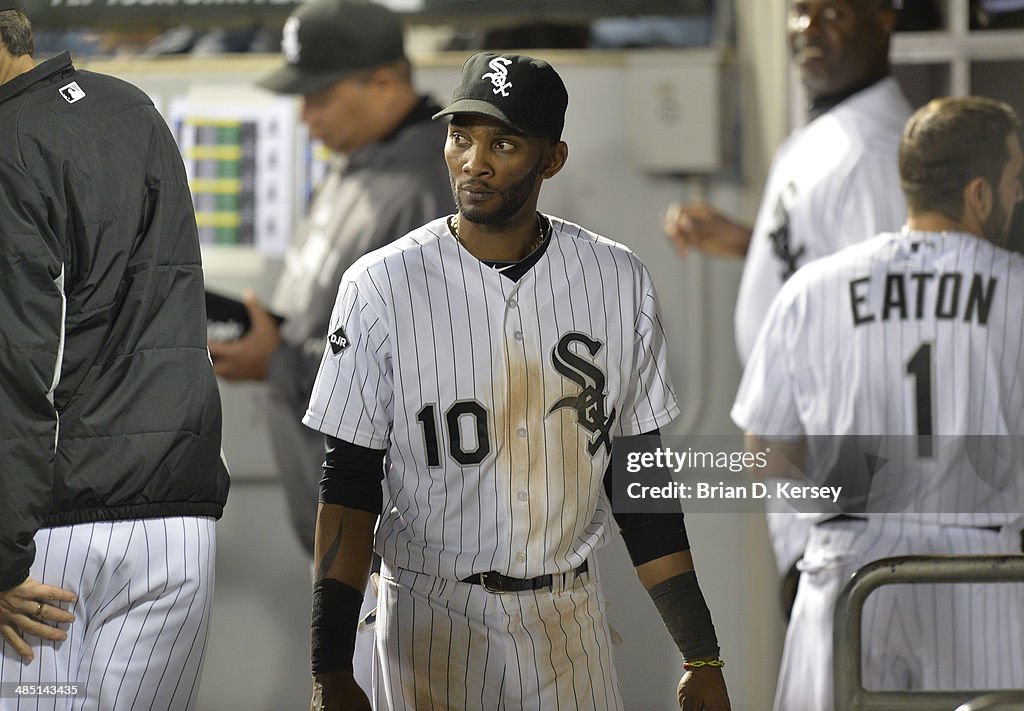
701,227
31,608
703,690
338,691
247,358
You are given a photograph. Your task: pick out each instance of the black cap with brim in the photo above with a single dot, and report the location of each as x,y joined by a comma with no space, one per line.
323,41
522,92
477,107
290,80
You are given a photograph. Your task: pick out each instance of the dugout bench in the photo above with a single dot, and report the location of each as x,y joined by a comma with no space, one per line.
850,694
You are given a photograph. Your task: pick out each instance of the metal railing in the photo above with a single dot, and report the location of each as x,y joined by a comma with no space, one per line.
997,701
850,694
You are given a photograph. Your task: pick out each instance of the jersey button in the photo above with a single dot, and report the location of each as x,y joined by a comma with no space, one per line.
523,496
518,335
521,432
512,303
520,557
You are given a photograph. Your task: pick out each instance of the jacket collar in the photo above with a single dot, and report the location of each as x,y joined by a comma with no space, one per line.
44,70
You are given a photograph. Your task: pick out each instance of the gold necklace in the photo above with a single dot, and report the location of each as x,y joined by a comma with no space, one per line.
537,242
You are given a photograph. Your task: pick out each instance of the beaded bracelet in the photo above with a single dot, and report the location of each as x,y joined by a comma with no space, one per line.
698,663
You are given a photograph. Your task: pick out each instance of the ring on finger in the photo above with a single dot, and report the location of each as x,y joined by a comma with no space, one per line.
672,213
39,611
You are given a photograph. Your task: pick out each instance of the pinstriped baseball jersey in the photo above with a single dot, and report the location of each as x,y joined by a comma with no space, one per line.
907,334
833,183
496,400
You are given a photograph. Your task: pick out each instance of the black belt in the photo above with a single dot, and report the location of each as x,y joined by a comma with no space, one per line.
846,517
497,583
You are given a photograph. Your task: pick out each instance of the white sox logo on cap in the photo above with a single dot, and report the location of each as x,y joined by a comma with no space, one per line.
499,75
537,108
291,47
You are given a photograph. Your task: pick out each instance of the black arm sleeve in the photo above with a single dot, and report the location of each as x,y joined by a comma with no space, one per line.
648,536
352,476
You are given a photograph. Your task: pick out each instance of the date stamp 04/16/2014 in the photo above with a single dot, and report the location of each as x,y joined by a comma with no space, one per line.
41,689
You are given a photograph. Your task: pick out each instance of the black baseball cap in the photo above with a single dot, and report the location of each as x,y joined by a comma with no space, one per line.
325,40
523,92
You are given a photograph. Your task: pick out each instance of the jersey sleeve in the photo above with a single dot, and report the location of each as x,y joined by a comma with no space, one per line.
353,393
31,339
766,402
650,402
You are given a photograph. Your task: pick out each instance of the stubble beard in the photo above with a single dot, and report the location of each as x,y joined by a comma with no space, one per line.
996,228
512,199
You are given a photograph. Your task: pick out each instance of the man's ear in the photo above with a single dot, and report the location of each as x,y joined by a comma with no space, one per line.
557,155
381,77
887,19
978,199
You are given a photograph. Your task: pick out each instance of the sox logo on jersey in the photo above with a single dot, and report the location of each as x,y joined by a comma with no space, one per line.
781,236
590,403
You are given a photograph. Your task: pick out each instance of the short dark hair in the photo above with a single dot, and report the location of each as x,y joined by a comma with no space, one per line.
400,68
16,33
948,143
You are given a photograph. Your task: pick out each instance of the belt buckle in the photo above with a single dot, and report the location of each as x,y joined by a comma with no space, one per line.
485,581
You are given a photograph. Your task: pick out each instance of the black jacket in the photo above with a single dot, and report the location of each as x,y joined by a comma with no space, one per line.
109,408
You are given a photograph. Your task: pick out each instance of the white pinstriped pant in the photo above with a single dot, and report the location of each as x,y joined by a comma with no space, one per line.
145,588
915,636
449,646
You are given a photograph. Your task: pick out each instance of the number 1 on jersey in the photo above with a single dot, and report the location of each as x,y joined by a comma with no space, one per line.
919,367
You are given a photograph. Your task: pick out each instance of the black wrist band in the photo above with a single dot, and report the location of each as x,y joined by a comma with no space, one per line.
335,618
686,615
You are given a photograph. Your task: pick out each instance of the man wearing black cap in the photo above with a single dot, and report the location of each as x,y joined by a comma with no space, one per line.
469,369
111,476
347,62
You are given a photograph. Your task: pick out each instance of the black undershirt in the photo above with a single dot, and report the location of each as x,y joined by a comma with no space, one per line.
822,104
516,270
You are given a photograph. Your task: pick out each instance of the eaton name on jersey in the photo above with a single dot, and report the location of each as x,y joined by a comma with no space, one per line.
918,295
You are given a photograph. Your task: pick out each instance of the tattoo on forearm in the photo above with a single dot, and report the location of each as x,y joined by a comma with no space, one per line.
330,555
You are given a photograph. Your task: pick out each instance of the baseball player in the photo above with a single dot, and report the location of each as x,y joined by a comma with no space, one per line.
916,333
111,476
465,357
832,183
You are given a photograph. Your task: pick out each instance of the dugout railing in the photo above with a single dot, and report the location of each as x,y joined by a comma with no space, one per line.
998,701
850,694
